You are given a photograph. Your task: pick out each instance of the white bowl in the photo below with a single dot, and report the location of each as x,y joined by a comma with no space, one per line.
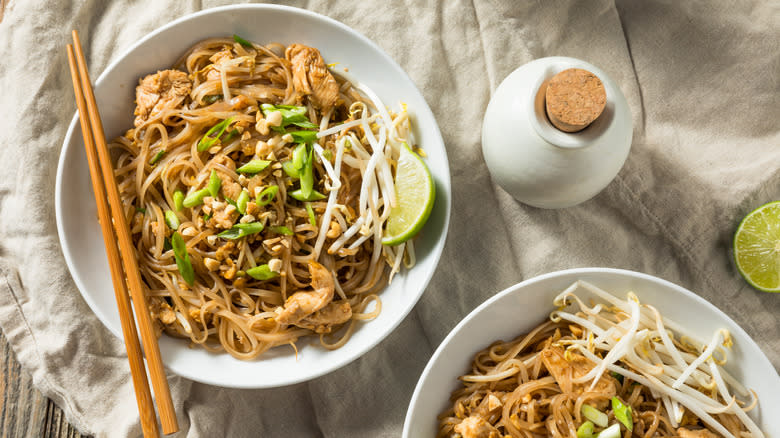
523,306
80,235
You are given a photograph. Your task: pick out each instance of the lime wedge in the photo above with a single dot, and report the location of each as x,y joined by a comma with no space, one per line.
415,193
757,247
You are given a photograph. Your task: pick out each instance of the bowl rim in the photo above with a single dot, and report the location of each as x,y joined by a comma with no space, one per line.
443,183
543,277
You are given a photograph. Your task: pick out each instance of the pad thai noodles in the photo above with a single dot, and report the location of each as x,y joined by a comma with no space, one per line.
256,182
613,369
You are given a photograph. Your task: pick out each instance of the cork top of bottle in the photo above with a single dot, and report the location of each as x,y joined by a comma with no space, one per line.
574,99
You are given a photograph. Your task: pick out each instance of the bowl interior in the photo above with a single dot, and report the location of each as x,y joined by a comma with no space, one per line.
520,308
115,91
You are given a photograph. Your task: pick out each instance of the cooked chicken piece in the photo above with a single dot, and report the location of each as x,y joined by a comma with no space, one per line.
700,433
162,90
230,188
563,371
311,77
225,250
223,215
302,304
217,58
161,310
476,427
323,320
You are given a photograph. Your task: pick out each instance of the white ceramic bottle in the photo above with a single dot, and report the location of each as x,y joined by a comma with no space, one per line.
539,164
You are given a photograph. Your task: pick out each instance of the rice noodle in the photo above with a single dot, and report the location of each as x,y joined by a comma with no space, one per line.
668,383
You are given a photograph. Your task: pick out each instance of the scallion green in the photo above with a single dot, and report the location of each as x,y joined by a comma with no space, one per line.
622,413
242,41
195,198
209,139
312,217
599,418
267,195
178,200
282,230
242,201
182,258
156,157
313,196
240,230
262,272
254,166
304,136
585,430
215,183
290,170
172,220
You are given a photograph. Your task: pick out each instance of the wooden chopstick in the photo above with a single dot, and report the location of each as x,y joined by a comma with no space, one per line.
134,355
126,250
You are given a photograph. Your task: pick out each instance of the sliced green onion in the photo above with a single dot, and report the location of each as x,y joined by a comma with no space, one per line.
622,413
312,217
172,220
211,98
141,210
304,136
262,272
242,201
599,418
156,157
585,430
215,183
178,200
282,230
230,135
195,198
313,196
610,432
182,258
267,195
231,202
307,174
291,115
290,170
253,166
206,217
618,377
240,230
299,157
210,140
242,41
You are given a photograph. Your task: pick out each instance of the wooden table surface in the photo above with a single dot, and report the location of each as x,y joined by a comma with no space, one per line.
24,411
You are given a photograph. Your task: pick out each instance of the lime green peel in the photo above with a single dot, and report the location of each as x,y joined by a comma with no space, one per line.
415,194
757,247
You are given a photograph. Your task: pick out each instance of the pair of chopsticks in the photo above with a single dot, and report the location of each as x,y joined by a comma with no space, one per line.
121,260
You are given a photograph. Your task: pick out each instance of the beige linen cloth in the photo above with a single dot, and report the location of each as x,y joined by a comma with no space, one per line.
702,80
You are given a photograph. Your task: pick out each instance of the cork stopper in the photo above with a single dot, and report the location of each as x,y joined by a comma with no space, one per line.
574,99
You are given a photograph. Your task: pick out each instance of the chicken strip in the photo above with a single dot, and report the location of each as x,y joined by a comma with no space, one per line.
302,304
162,90
311,76
323,320
476,427
699,433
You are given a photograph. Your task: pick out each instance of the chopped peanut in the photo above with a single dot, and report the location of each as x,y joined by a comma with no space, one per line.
211,264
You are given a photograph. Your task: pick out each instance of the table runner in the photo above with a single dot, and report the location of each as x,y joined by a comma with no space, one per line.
702,82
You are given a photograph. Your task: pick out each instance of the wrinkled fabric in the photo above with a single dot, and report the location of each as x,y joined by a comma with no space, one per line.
701,79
